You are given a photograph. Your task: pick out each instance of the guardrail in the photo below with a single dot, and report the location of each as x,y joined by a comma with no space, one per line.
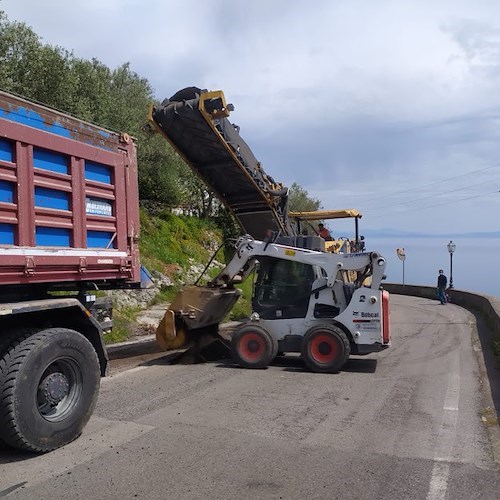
487,306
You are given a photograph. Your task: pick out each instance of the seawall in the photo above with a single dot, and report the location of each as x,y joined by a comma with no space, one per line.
487,306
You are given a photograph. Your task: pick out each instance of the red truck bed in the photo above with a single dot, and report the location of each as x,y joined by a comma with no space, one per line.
69,202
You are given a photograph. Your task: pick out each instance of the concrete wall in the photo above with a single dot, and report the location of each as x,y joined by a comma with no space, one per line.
488,307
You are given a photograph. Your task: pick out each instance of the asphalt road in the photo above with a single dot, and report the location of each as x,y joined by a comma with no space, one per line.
404,423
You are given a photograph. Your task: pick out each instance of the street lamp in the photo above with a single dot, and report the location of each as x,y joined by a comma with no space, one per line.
451,248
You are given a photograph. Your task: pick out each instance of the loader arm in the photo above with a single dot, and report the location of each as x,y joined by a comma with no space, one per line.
248,249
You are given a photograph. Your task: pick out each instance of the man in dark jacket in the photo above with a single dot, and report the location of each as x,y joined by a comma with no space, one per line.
441,286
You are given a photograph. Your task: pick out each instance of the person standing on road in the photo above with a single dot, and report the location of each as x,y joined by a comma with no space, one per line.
441,287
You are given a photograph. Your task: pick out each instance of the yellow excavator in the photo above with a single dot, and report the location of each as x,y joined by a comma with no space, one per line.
195,122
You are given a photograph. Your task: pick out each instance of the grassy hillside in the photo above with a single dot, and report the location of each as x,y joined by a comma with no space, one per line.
175,245
170,240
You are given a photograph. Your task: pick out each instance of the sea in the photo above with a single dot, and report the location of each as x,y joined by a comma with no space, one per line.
476,262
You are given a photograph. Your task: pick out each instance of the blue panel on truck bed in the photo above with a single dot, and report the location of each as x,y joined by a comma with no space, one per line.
7,232
51,198
7,192
33,119
52,237
5,150
26,116
97,172
99,239
48,160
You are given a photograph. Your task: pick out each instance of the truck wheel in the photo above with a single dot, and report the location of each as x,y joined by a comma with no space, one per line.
49,389
253,346
6,340
8,337
325,349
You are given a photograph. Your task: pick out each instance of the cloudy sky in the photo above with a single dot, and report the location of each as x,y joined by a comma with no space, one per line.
388,106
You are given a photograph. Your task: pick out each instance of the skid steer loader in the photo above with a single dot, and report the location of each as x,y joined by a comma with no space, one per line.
303,301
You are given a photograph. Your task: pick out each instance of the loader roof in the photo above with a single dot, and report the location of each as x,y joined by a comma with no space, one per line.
326,214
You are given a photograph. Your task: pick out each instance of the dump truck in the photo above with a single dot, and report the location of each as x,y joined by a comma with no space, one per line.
321,299
69,225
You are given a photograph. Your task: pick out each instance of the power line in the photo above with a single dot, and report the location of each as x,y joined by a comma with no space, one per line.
448,179
437,204
405,202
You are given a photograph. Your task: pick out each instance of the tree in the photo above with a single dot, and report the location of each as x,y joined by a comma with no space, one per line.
91,93
300,201
159,172
29,68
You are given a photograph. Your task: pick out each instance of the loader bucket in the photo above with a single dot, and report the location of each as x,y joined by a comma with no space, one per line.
195,312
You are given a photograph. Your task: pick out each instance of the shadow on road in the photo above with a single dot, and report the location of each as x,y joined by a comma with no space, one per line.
290,363
170,358
361,365
10,455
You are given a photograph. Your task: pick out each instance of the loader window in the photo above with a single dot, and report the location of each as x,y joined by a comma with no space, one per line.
283,286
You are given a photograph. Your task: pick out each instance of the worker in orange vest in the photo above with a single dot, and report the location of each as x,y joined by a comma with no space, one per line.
324,233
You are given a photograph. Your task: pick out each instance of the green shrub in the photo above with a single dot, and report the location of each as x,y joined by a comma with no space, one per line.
243,308
124,324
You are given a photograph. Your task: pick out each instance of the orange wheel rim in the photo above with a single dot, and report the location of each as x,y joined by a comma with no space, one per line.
323,348
252,347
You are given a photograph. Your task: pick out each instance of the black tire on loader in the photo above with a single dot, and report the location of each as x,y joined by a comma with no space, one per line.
49,387
325,349
253,346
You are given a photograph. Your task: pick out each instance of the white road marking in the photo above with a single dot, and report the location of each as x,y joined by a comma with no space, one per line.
447,434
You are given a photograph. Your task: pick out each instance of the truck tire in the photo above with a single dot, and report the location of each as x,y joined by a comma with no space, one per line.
49,388
8,337
6,340
253,346
325,349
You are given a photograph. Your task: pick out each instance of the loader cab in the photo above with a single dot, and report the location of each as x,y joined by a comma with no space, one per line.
282,288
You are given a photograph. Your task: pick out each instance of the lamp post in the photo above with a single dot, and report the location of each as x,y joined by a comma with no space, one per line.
451,248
